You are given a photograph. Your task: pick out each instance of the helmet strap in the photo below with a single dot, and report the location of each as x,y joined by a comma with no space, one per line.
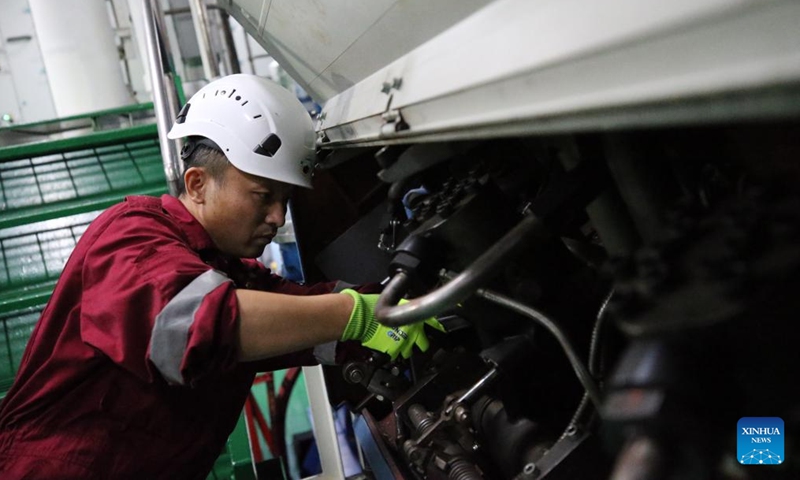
193,142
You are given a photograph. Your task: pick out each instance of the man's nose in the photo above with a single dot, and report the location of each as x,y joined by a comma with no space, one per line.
276,215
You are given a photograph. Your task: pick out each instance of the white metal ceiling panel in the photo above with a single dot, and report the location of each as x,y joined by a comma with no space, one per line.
404,26
548,63
328,46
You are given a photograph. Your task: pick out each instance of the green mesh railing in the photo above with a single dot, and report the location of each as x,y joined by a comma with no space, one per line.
55,178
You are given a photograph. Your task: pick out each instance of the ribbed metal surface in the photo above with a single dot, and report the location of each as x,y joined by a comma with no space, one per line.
50,191
31,260
16,329
58,177
37,252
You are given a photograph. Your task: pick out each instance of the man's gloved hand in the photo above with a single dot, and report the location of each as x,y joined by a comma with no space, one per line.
364,327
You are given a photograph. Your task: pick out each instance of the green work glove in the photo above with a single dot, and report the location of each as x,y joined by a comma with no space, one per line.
394,341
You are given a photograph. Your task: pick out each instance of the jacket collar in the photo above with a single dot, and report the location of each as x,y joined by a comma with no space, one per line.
197,236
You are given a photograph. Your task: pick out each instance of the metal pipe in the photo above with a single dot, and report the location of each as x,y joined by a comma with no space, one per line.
200,21
165,109
580,369
599,322
230,47
461,287
607,212
249,51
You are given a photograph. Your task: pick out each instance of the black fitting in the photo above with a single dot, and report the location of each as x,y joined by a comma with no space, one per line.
415,256
508,352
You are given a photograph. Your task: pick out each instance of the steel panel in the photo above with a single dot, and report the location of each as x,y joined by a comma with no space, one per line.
330,45
558,66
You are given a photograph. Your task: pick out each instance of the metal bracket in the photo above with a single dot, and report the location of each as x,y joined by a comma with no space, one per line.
392,122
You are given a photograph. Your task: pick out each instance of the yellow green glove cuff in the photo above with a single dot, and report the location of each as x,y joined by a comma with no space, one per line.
364,328
362,324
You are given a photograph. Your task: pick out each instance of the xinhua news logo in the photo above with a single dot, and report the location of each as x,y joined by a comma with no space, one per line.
760,441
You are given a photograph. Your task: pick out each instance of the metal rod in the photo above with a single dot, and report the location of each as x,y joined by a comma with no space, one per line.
230,47
580,369
479,386
184,10
249,51
465,399
200,20
461,287
599,322
177,11
165,110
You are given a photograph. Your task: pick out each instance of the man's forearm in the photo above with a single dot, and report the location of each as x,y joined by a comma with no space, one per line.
272,324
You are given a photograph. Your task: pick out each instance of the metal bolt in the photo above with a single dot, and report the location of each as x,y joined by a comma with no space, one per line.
354,374
415,455
529,469
572,430
461,414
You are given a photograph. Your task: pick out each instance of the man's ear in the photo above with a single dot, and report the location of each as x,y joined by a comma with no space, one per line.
196,180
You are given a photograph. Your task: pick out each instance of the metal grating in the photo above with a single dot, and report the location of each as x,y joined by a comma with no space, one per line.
16,329
29,182
33,254
37,252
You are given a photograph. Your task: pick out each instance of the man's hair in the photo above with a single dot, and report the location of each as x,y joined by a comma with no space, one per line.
212,160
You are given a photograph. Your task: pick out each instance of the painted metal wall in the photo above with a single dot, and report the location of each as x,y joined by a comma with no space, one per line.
24,90
80,54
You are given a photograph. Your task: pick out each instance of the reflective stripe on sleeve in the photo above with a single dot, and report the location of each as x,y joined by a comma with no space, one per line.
340,285
171,331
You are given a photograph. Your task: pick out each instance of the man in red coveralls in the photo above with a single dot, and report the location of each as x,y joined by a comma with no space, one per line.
142,360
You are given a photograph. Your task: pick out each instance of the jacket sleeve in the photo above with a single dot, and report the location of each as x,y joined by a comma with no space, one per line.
153,307
261,278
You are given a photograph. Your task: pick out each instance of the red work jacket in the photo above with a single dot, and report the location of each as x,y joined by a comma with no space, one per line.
131,371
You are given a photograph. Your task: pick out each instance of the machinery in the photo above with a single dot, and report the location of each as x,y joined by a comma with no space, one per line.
598,200
614,304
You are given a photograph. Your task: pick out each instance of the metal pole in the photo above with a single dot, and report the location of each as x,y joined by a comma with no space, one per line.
164,109
323,425
230,47
200,20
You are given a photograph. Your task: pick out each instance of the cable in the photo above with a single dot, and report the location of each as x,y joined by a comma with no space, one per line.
599,323
580,369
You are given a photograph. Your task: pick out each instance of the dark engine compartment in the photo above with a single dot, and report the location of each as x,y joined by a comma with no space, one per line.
614,301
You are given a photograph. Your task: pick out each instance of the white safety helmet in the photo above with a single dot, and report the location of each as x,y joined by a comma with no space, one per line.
262,128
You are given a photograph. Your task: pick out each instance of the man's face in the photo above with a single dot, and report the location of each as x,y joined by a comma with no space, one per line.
242,213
